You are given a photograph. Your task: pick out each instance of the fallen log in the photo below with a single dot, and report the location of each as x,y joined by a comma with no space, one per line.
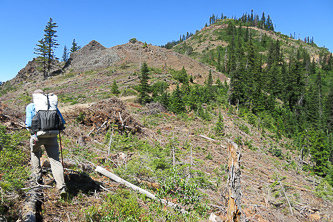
114,177
208,138
30,211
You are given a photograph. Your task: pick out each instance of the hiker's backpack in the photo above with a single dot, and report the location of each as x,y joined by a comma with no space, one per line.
47,121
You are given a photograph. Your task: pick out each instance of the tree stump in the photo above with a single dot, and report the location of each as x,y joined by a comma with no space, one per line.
234,183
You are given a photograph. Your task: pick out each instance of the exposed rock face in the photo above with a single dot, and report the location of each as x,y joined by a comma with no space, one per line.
32,72
92,56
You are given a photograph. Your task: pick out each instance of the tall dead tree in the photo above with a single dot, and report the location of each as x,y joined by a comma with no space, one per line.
234,183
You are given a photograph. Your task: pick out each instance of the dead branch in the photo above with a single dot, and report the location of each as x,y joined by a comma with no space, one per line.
121,119
210,139
110,142
221,208
37,187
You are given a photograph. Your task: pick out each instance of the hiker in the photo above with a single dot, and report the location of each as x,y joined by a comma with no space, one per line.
50,143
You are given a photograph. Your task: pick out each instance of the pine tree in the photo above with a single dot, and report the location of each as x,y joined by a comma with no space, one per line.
231,64
219,128
219,64
263,21
75,46
320,152
312,67
144,86
65,55
209,88
114,88
177,102
164,99
50,41
329,111
237,86
295,84
209,82
253,78
274,81
41,51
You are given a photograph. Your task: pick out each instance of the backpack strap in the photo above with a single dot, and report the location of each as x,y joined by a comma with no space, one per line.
48,101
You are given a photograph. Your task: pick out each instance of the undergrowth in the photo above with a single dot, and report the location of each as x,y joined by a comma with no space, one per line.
13,165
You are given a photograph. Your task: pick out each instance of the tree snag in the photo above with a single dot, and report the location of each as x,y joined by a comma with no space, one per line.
234,183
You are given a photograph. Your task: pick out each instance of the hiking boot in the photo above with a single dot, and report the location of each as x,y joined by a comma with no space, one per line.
63,193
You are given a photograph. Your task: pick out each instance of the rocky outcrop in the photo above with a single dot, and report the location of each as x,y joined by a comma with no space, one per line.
92,56
32,71
95,56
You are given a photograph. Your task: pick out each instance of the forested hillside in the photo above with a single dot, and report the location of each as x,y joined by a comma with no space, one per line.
286,83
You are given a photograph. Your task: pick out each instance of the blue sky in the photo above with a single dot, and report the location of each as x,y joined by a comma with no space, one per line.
156,22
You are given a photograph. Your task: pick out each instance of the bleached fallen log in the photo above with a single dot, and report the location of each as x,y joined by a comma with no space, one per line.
114,177
208,138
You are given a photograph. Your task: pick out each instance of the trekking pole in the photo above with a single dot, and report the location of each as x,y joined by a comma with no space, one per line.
62,158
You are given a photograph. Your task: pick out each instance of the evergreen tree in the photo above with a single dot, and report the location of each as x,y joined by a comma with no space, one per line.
253,78
144,86
209,87
274,81
50,41
237,86
114,88
177,102
312,67
319,152
219,64
209,81
231,64
329,111
75,46
182,76
41,51
269,24
65,55
219,128
164,99
247,34
258,104
295,87
263,21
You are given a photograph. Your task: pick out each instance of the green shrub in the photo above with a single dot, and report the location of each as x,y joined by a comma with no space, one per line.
276,152
244,128
121,206
13,160
249,145
239,140
252,119
13,166
132,40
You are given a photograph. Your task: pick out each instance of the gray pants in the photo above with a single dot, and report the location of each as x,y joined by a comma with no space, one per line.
52,150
